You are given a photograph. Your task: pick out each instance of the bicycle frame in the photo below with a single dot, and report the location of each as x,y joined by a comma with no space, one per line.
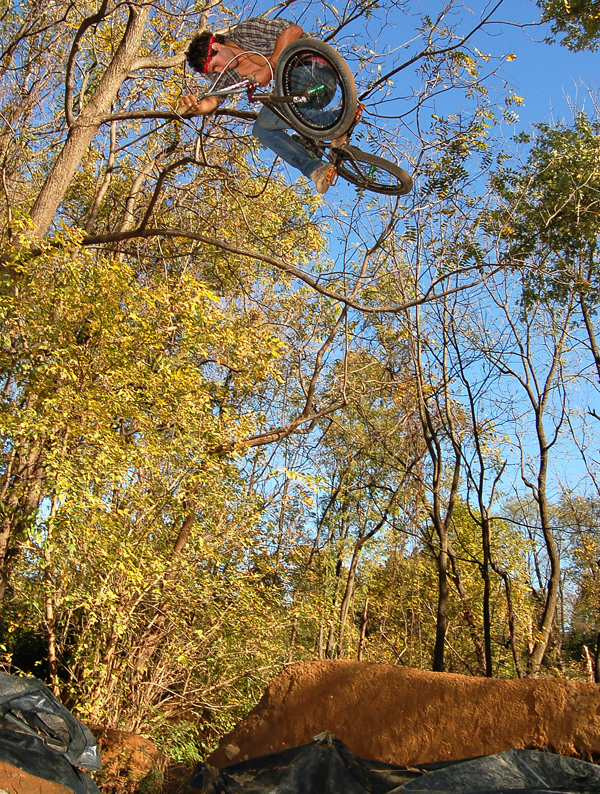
365,170
271,100
250,88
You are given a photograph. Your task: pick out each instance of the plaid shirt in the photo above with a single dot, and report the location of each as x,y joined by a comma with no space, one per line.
256,34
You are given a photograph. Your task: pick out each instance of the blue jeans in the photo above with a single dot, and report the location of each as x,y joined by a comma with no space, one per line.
269,130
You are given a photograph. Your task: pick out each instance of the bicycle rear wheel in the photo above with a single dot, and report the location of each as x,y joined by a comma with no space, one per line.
372,172
313,66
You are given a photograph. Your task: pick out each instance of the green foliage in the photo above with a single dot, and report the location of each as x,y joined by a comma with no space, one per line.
182,742
551,216
577,22
208,469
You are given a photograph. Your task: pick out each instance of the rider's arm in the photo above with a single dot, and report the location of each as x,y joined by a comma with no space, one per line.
263,74
189,104
287,37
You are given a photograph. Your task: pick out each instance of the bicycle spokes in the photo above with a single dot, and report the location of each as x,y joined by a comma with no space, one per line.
316,79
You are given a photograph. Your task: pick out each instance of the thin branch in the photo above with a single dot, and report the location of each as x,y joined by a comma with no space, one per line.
429,53
245,115
102,239
69,80
161,179
359,13
278,433
159,63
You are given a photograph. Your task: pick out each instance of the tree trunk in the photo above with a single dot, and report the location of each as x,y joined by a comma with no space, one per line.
348,593
511,619
363,630
293,634
331,648
545,627
22,496
86,125
51,632
485,573
589,665
152,636
589,325
321,640
49,605
468,613
442,608
441,526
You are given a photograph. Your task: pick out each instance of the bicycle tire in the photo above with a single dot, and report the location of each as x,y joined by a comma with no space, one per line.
371,172
332,111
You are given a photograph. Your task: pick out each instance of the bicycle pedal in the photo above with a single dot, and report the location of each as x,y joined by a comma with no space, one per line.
332,175
359,111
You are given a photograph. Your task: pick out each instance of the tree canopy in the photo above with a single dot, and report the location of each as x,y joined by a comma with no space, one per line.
244,426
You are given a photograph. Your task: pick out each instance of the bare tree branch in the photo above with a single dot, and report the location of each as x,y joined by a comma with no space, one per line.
429,54
429,296
69,79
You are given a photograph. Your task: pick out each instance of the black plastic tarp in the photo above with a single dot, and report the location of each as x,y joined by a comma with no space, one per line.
326,766
511,771
40,736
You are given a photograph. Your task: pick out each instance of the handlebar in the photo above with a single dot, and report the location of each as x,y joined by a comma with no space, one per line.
250,86
236,88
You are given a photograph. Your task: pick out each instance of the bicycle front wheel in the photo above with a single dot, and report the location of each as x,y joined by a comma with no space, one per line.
309,65
372,172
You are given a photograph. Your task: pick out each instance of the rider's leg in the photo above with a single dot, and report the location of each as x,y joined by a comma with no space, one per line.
269,130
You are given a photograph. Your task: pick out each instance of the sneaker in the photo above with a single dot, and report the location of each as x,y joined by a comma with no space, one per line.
323,176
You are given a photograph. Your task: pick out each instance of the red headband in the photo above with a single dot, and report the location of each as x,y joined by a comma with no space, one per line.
209,53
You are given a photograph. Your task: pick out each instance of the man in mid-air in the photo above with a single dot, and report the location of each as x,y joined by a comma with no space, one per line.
233,58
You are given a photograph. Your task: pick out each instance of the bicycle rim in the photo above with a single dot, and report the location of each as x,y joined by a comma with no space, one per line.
315,74
372,172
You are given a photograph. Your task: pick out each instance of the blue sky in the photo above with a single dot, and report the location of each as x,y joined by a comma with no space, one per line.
547,75
550,78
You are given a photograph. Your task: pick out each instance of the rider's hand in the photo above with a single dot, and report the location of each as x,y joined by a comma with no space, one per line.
188,104
263,75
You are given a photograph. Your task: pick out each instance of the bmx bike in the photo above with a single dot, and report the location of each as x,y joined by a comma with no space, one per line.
316,96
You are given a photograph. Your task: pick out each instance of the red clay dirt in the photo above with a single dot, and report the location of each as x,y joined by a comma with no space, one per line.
132,763
412,716
126,759
15,781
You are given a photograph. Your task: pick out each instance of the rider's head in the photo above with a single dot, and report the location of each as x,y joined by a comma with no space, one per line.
201,50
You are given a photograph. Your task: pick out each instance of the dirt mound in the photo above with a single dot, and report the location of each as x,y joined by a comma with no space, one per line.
132,763
127,759
411,716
